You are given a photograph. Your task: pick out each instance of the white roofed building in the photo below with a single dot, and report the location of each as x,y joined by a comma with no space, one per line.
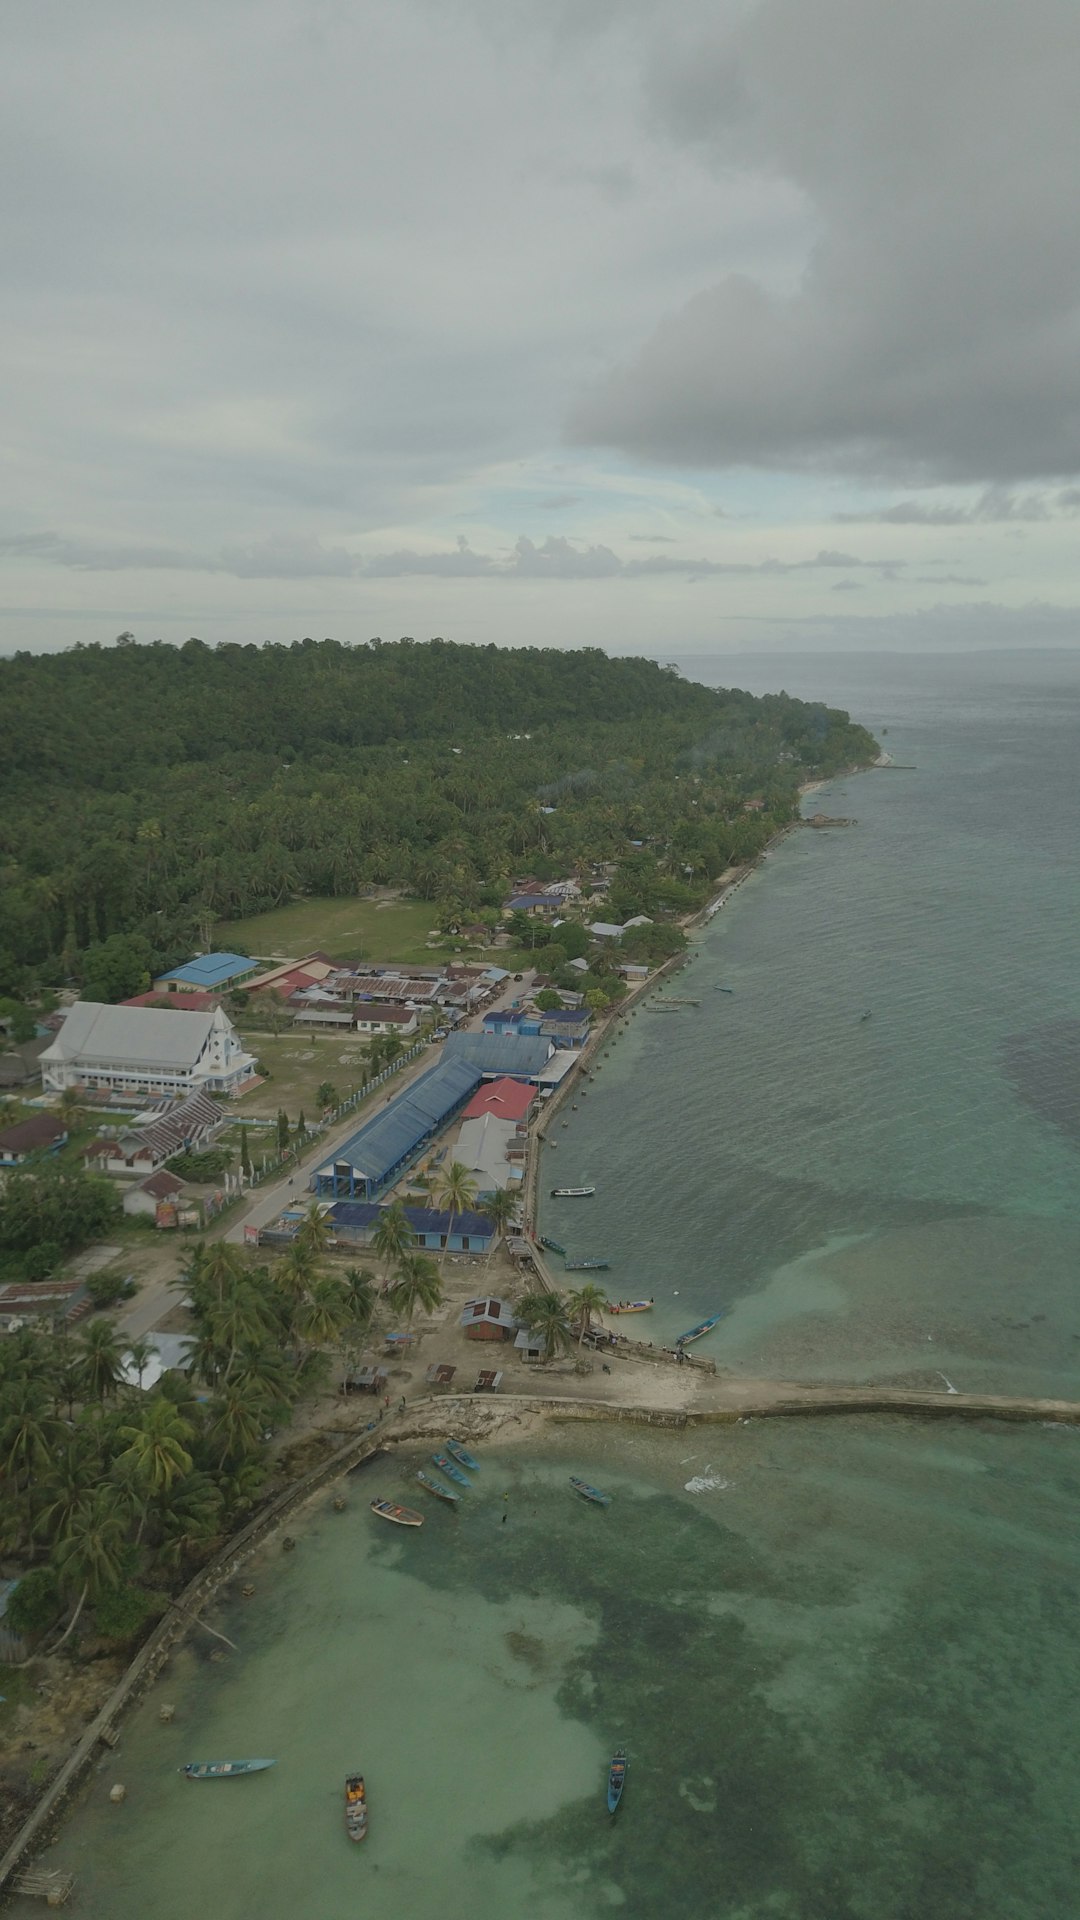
145,1050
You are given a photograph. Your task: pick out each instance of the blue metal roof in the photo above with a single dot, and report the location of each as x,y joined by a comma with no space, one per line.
211,969
507,1053
390,1136
363,1213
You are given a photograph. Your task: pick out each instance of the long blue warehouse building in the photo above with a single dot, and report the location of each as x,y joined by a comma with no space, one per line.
379,1152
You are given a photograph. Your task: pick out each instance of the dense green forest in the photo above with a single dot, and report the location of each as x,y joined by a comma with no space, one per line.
151,790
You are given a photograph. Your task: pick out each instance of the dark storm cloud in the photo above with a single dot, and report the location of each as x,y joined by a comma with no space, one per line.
994,505
935,331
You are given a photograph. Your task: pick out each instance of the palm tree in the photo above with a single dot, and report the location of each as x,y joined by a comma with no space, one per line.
102,1361
29,1430
313,1234
236,1424
156,1453
242,1319
261,1374
72,1472
500,1208
90,1559
139,1355
360,1295
393,1235
416,1284
582,1304
185,1517
545,1314
456,1192
323,1314
213,1271
67,1107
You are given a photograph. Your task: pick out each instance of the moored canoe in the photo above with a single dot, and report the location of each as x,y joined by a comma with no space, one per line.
401,1516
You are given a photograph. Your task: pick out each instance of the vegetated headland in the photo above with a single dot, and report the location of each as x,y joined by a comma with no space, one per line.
171,788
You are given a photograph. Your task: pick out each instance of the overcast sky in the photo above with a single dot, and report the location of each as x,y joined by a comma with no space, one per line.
661,328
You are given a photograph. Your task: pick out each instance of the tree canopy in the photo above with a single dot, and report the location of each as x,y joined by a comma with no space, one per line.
172,787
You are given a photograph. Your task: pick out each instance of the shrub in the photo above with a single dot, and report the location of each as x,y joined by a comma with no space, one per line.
35,1603
105,1289
121,1613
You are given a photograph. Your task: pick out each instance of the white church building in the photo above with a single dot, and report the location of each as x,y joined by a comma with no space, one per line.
149,1050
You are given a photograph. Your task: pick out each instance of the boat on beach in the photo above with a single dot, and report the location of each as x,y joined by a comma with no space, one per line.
401,1516
572,1193
462,1455
586,1266
616,1779
224,1769
703,1326
356,1808
450,1468
441,1493
590,1493
630,1306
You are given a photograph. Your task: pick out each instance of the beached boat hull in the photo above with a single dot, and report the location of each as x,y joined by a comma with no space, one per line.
450,1468
462,1455
616,1780
399,1516
592,1494
224,1769
441,1493
703,1327
356,1807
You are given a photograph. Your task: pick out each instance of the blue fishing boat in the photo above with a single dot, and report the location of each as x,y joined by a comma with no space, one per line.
553,1246
224,1769
450,1468
590,1493
616,1779
703,1326
587,1266
441,1493
462,1455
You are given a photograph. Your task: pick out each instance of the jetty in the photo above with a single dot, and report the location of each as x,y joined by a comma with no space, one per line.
46,1883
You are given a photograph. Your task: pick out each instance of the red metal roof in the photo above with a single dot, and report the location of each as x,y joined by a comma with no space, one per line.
506,1099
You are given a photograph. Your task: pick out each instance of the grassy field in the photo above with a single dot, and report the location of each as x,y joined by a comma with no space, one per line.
378,930
299,1063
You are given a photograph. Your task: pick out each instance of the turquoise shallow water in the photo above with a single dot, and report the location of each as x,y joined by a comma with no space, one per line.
843,1653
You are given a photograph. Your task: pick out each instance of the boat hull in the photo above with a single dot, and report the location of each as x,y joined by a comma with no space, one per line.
224,1769
698,1332
592,1494
572,1193
462,1455
356,1807
398,1516
450,1468
632,1306
441,1493
616,1780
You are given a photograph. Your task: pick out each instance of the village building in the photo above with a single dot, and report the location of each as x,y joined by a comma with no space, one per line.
39,1300
434,1230
385,1016
146,1050
41,1133
381,1150
206,973
162,1189
495,1055
188,1124
493,1150
506,1099
488,1320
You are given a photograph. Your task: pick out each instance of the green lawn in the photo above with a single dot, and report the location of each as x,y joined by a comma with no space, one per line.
350,930
299,1062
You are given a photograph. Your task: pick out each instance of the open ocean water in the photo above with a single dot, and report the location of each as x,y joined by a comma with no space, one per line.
844,1653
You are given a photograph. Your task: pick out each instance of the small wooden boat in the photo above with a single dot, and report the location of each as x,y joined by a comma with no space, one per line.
590,1493
630,1306
450,1468
441,1493
586,1266
224,1769
462,1455
401,1516
616,1779
572,1193
553,1246
356,1808
703,1326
